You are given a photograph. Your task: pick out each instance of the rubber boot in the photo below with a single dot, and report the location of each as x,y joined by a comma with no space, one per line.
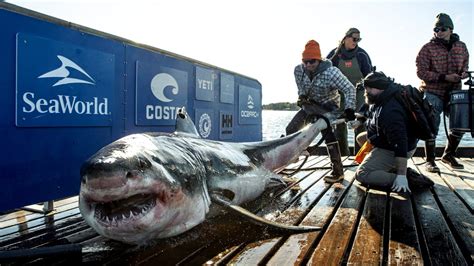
337,173
430,148
450,152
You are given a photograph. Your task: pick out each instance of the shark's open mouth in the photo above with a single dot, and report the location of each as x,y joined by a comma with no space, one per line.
130,208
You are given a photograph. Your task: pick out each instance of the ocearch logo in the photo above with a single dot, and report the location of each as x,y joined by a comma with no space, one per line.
162,81
63,72
250,103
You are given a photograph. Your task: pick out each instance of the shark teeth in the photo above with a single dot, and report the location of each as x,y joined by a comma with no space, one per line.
114,212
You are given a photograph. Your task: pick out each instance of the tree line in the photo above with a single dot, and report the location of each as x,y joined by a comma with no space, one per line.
281,106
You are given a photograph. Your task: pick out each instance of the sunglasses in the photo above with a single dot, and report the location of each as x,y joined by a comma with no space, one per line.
355,39
442,29
311,61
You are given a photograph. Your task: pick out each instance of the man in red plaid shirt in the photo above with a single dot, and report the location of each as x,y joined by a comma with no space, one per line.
441,65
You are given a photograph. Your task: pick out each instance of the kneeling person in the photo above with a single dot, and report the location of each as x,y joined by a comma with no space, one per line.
390,134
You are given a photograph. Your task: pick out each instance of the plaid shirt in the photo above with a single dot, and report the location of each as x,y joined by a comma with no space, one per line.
434,59
324,87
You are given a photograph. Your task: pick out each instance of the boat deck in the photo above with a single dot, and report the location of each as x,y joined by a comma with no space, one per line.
359,226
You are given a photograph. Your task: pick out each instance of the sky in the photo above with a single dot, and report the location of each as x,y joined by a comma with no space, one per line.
264,39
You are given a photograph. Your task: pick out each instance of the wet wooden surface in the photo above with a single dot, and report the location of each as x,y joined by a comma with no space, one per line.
360,226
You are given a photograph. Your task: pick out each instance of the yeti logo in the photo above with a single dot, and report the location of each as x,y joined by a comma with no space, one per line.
162,81
63,72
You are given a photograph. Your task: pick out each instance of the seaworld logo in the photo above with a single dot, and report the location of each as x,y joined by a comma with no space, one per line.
63,72
65,104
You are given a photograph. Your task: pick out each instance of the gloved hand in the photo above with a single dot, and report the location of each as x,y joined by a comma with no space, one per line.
349,114
302,100
401,184
354,124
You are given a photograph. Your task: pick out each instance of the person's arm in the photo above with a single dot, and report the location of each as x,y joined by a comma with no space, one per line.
331,54
394,127
365,62
465,62
423,62
298,73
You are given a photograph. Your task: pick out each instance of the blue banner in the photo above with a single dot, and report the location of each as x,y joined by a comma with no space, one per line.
227,88
204,121
249,105
206,84
62,84
226,125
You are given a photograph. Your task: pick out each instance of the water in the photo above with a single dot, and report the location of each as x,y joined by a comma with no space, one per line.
274,123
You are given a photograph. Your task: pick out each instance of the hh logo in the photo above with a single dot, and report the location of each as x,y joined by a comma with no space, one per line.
162,81
64,73
348,63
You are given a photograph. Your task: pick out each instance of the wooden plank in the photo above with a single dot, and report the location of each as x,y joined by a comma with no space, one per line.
335,242
38,226
58,204
456,183
436,233
404,247
297,248
368,243
468,174
310,188
13,219
255,252
468,165
459,219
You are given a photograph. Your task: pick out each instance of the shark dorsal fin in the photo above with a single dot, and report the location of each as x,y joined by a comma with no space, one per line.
184,124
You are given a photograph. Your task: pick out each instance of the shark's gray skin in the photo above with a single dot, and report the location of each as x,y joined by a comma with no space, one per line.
157,185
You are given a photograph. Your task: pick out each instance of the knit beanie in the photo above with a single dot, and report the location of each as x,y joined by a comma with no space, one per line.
377,80
312,51
443,20
352,31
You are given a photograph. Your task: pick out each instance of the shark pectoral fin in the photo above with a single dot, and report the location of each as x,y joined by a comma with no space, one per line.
273,226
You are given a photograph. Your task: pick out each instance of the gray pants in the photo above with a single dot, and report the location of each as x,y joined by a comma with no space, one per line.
378,167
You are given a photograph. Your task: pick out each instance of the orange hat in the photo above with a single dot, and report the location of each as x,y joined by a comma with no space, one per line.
311,50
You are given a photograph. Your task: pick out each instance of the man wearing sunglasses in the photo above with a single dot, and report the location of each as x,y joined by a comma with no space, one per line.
441,64
318,85
355,64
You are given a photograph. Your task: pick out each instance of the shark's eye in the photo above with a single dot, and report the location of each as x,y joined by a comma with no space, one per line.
143,163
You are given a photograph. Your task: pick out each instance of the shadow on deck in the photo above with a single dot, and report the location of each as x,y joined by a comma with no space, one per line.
360,226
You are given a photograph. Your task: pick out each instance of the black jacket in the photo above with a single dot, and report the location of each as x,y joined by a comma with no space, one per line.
388,125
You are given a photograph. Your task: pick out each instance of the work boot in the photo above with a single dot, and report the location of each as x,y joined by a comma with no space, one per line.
430,148
417,180
450,151
337,173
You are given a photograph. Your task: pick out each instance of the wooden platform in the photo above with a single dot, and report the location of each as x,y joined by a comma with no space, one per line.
360,226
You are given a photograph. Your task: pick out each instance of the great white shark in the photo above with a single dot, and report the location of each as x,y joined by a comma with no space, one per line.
157,185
